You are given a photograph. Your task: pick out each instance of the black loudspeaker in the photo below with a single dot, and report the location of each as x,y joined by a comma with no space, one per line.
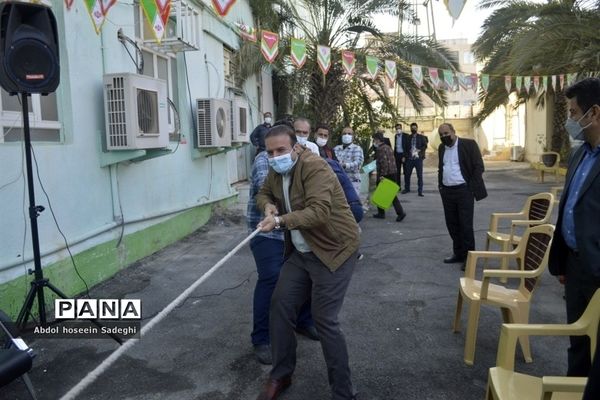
29,61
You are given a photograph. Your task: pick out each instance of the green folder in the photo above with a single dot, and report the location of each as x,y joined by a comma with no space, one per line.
384,193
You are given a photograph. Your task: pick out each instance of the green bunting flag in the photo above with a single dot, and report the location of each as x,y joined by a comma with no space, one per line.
449,79
372,66
571,78
390,71
545,83
97,12
519,83
348,62
298,52
485,82
324,58
269,45
157,13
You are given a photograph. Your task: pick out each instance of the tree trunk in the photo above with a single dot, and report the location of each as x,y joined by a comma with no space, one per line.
560,138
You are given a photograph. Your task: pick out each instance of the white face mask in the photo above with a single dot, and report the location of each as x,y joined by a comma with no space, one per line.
574,129
346,139
268,120
321,142
302,140
398,131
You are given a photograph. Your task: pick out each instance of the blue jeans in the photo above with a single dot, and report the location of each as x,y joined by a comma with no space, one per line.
268,255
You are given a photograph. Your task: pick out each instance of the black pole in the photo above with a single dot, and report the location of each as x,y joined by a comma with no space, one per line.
33,214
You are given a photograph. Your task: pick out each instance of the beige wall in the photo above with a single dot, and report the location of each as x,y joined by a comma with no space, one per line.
538,129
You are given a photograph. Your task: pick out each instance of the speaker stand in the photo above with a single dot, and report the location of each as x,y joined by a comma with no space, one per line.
39,283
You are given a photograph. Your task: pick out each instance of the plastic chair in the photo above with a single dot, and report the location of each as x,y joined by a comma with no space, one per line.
556,192
504,383
15,356
536,211
532,257
550,162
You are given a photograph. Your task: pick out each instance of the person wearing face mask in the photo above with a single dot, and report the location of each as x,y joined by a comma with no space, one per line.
302,195
257,137
386,168
322,134
575,250
302,128
350,156
399,143
414,154
460,181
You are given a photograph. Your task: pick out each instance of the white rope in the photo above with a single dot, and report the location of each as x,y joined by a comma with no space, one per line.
93,375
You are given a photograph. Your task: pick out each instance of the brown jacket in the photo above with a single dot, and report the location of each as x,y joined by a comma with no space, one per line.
386,163
320,210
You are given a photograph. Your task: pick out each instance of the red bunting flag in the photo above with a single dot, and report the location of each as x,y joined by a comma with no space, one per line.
223,6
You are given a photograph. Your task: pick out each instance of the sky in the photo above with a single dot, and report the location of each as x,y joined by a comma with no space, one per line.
466,26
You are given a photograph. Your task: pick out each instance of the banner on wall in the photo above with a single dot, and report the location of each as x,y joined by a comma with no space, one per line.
269,45
324,58
348,62
298,52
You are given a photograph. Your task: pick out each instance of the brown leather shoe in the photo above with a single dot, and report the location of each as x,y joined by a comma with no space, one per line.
273,388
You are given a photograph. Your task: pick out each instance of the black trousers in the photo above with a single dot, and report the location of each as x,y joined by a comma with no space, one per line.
417,164
580,286
459,205
396,203
399,162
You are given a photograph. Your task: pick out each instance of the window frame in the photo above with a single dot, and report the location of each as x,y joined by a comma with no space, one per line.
14,119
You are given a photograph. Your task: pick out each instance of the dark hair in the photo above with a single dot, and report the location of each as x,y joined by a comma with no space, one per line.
586,93
379,136
398,124
323,126
282,129
285,121
414,124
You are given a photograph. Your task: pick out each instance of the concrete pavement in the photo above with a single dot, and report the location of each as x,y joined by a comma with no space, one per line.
397,316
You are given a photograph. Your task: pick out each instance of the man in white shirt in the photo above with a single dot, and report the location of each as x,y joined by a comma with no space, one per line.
460,169
302,128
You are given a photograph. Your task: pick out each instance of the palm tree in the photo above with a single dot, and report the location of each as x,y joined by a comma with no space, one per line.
341,24
529,38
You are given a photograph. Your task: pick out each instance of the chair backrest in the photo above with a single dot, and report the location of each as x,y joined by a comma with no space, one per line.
534,250
550,158
539,207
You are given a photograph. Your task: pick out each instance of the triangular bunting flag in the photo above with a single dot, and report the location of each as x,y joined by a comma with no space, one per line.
434,76
464,80
571,78
94,8
157,13
527,84
536,83
68,3
324,58
298,52
269,45
390,71
449,79
417,73
545,83
222,6
454,7
348,62
485,82
372,66
246,32
561,81
507,83
519,83
474,82
554,82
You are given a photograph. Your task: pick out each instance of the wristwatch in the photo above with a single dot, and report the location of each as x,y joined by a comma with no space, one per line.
277,222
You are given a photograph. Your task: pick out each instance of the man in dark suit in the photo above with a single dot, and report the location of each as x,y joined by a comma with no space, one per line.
575,251
414,154
399,143
460,181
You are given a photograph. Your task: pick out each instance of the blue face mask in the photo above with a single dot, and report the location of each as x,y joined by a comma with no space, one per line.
282,164
574,129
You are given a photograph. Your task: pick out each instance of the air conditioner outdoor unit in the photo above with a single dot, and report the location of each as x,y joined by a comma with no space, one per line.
239,118
213,123
135,110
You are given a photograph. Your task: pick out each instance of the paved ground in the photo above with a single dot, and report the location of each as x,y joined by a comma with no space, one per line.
397,317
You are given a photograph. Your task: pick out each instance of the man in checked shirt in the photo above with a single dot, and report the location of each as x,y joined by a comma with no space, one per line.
350,157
